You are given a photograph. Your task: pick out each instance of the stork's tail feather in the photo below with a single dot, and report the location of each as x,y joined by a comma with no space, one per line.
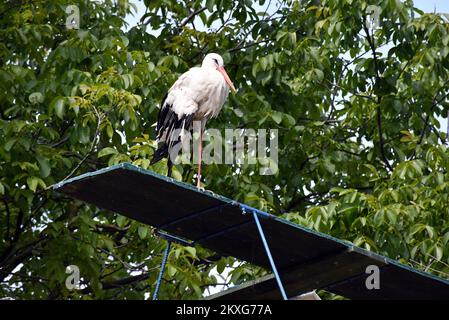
159,154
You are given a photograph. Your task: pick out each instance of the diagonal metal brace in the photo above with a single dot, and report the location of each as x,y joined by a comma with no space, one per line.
267,248
170,238
161,271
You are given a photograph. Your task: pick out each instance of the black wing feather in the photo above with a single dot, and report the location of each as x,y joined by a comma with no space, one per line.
169,124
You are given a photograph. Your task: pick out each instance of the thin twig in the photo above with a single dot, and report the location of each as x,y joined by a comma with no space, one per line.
240,45
338,86
237,48
435,131
429,268
92,147
229,18
8,217
434,104
447,128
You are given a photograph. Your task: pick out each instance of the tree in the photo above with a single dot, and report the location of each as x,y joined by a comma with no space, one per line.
355,89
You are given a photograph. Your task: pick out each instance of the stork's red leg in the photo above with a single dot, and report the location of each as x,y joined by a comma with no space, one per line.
200,154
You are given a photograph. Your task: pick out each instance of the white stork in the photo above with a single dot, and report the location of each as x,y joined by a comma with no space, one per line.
197,95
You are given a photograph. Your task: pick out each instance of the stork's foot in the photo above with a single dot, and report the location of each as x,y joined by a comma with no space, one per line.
199,187
202,189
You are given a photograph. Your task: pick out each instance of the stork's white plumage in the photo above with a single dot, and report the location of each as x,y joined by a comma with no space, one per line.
197,95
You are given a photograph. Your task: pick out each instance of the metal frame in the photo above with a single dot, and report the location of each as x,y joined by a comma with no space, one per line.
170,238
71,187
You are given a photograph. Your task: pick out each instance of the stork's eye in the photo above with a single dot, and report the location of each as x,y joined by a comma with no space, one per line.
216,61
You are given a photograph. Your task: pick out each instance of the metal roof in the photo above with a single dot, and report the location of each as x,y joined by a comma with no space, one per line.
305,259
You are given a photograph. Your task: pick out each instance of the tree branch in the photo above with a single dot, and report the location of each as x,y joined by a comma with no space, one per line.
9,266
10,260
121,282
299,200
190,17
370,39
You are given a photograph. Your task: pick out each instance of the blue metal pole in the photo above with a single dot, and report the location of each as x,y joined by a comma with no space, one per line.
161,272
267,249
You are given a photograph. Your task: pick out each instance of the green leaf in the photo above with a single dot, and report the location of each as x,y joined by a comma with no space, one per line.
210,5
292,38
176,174
319,74
36,97
395,195
392,216
9,144
417,228
446,238
128,80
58,106
280,34
379,217
106,152
32,183
191,251
238,112
84,134
142,231
109,131
430,231
263,63
171,270
221,265
44,166
288,120
109,244
121,221
438,253
277,116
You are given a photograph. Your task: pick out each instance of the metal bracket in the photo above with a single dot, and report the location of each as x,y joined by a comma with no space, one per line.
170,237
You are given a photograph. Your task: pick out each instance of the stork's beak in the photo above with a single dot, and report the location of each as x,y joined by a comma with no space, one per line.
226,77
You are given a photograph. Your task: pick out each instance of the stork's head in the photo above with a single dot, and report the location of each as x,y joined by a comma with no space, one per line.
214,60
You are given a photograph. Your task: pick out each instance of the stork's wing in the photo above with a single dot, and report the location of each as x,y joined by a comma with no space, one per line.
180,104
169,121
176,113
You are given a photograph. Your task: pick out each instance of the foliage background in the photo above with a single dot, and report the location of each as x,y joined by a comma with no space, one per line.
361,153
